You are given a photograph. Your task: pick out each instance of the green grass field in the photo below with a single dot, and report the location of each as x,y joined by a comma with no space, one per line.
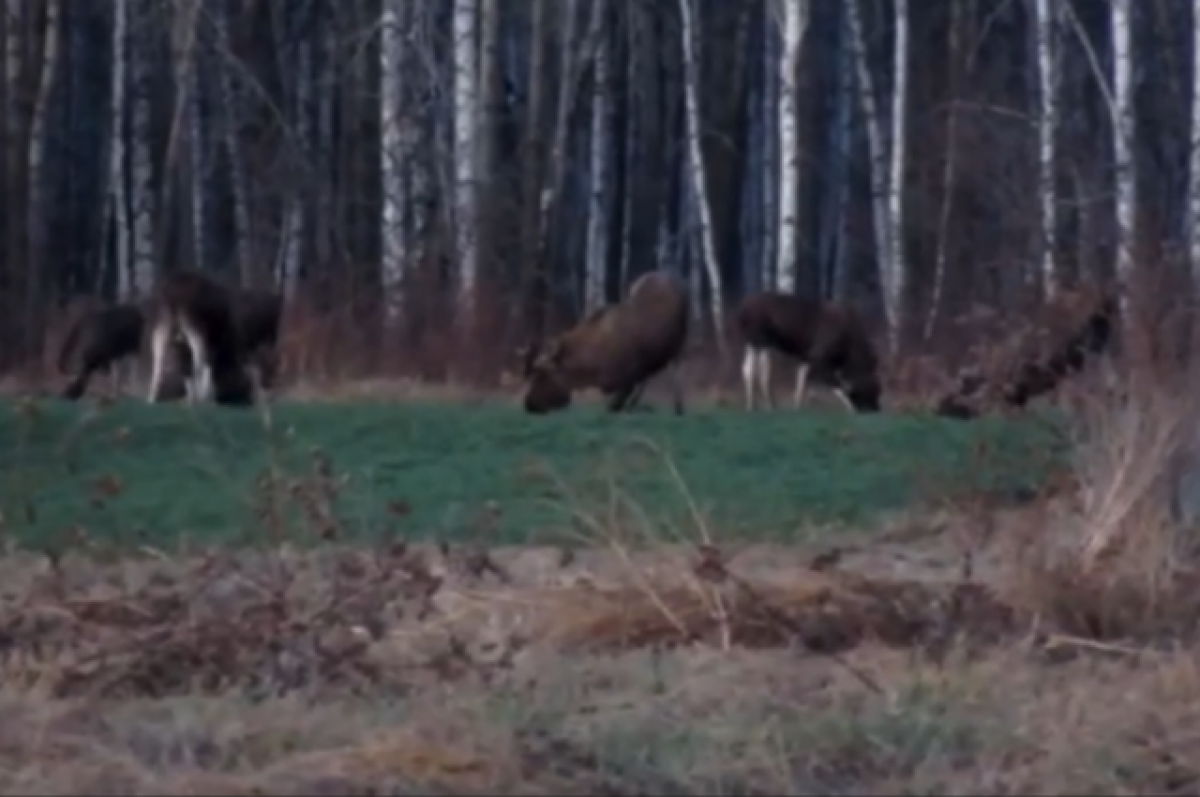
132,473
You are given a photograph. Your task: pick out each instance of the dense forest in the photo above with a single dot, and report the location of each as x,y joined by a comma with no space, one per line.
398,162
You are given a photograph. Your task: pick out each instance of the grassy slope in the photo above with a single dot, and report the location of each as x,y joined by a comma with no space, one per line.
192,472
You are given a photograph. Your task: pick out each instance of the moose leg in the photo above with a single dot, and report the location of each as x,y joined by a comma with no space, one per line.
620,399
636,396
801,382
763,369
201,369
749,360
837,391
676,381
159,339
78,385
116,375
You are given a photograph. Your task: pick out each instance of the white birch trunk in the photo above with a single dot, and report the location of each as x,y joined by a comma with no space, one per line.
1194,155
198,146
948,170
118,176
633,153
1123,133
15,155
1048,79
770,157
466,101
896,271
598,211
323,140
488,104
391,157
887,169
695,157
141,187
301,113
795,20
840,277
569,70
231,95
37,143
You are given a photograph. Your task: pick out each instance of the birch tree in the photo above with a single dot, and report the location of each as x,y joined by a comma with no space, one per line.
795,19
768,135
201,169
466,99
547,202
37,207
1193,226
695,154
1048,82
632,139
294,27
231,102
118,176
391,156
600,149
531,170
487,199
16,14
1123,136
141,186
948,170
887,156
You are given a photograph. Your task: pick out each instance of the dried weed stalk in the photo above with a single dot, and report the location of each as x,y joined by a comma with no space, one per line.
1121,563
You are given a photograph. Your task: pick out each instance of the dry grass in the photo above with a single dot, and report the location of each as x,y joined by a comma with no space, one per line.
461,671
1045,650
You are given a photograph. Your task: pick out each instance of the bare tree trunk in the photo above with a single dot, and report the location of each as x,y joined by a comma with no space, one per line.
118,153
887,168
552,187
142,168
201,168
895,282
770,154
601,146
391,152
323,141
37,209
837,282
420,158
795,21
466,155
16,113
1048,78
531,177
1193,226
1123,138
490,209
708,248
632,142
231,95
948,169
294,27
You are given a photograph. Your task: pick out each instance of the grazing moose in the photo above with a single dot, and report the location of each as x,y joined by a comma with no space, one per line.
258,314
1073,327
201,311
616,349
828,339
101,337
